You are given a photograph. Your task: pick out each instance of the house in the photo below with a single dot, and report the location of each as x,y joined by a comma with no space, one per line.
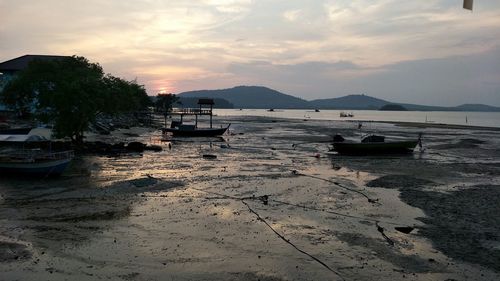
8,69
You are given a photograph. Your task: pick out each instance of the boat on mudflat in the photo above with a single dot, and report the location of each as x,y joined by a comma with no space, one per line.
373,145
29,154
181,130
34,162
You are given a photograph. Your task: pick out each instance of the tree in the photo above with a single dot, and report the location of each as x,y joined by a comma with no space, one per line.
69,93
164,103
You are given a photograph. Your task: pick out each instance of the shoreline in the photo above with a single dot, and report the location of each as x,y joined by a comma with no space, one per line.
396,123
439,125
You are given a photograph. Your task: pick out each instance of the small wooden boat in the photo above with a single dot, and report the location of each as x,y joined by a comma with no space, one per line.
181,130
372,145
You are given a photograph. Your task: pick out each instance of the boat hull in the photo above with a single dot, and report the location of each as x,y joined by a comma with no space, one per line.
196,133
371,148
42,168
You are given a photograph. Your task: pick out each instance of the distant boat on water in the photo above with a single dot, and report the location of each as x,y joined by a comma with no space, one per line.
345,114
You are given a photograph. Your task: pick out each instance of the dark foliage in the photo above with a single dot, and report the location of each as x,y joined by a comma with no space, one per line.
69,93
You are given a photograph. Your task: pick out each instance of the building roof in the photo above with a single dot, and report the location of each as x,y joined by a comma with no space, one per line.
22,62
205,101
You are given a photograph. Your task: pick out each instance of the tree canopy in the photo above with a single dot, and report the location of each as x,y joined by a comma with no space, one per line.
69,93
164,102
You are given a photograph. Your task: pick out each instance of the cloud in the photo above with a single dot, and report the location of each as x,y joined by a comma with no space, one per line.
187,45
292,15
446,81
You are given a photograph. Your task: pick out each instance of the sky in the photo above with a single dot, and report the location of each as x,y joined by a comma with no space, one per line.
427,52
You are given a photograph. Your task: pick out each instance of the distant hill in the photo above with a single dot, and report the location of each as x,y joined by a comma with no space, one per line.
251,97
193,103
393,107
477,107
262,97
349,102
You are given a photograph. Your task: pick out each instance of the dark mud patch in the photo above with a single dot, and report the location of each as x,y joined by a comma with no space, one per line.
76,215
143,182
463,224
399,182
11,252
467,143
380,249
489,169
250,276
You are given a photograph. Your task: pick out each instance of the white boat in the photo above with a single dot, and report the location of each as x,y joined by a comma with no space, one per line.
345,114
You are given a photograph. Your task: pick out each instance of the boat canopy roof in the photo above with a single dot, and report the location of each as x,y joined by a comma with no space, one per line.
22,138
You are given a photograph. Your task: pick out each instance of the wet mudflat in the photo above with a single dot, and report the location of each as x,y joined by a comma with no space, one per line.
273,205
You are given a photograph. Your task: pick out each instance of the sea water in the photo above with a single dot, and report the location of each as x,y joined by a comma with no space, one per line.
487,119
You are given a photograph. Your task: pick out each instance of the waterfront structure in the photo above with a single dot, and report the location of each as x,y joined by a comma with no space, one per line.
10,68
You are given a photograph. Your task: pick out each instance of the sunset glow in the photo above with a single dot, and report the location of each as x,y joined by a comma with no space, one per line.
335,47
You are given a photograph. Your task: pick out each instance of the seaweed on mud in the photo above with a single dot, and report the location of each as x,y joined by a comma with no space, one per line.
461,223
399,181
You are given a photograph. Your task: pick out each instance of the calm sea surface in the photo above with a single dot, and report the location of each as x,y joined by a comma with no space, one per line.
488,119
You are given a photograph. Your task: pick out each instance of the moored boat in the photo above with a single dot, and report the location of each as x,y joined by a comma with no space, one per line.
181,130
34,162
372,145
30,154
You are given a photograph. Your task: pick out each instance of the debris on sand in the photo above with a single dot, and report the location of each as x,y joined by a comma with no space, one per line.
209,156
136,146
381,230
153,147
404,229
10,252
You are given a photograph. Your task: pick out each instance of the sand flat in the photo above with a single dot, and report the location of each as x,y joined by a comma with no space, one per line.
273,205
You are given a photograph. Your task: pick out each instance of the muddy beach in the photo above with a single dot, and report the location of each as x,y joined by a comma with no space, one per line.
274,204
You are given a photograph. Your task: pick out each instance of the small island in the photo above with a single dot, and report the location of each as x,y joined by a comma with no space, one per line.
393,107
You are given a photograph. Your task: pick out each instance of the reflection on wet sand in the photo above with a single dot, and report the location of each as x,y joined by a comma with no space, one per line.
176,215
